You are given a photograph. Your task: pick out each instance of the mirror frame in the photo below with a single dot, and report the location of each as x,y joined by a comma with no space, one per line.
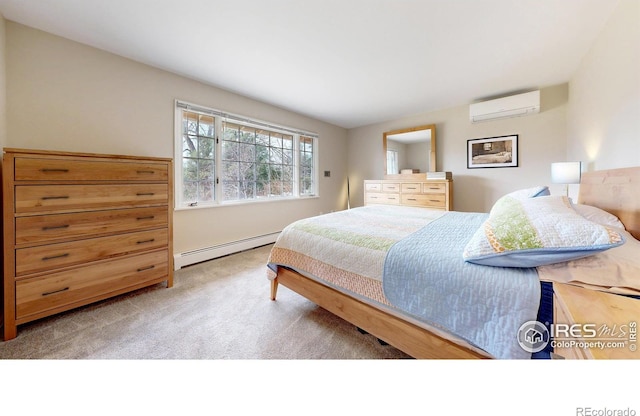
432,151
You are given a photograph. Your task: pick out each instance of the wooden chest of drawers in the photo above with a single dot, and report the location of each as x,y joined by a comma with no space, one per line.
79,228
427,194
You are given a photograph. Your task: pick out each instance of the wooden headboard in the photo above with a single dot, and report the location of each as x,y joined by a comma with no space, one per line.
616,191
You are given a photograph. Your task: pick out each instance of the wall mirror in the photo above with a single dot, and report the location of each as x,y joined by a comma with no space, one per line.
411,149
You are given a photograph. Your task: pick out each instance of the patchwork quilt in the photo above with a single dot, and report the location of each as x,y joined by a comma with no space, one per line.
410,260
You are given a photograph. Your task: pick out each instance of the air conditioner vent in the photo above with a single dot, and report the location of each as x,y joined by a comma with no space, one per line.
506,107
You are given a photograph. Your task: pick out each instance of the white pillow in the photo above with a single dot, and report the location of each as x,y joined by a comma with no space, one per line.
533,232
534,192
598,215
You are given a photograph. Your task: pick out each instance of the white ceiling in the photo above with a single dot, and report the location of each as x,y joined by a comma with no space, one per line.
346,62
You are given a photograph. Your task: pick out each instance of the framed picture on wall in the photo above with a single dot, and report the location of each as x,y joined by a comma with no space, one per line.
493,152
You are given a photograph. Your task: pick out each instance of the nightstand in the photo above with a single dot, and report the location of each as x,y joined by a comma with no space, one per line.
590,324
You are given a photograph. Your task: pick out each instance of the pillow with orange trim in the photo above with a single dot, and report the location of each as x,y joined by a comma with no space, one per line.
532,232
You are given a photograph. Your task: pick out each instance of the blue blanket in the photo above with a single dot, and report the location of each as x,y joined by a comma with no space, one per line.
425,276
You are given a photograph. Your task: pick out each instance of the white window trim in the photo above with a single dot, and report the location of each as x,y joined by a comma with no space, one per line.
180,105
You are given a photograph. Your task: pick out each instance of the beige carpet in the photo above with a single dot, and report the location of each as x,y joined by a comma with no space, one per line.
216,310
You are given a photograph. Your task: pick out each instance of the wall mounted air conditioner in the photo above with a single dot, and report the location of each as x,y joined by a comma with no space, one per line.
513,106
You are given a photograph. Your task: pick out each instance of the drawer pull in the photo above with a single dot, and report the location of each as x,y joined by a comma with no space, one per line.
149,172
435,189
48,170
55,197
149,217
434,200
59,256
145,194
55,227
56,291
151,240
412,187
146,268
411,199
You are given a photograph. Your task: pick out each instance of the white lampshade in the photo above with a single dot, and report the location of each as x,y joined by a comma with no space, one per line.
565,172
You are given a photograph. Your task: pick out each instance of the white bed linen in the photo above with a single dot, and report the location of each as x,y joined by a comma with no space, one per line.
616,270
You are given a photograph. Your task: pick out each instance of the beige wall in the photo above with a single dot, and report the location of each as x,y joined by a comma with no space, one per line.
604,96
66,96
595,118
542,140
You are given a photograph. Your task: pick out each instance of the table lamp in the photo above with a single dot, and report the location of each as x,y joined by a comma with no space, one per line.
566,173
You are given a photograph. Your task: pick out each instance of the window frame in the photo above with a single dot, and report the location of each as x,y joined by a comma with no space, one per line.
220,118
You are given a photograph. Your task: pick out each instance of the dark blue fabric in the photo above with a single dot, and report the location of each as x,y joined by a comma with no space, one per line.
545,316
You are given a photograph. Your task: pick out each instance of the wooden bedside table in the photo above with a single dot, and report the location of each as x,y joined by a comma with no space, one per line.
587,323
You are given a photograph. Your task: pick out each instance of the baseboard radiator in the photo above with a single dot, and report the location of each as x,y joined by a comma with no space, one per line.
186,258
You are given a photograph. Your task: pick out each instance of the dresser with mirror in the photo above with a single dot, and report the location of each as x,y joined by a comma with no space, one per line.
410,171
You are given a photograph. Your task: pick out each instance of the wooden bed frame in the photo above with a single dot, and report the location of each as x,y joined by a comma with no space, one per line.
616,191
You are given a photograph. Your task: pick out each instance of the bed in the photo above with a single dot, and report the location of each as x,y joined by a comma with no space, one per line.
423,281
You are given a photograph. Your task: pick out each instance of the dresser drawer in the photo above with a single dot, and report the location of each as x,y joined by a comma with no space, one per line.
48,198
372,187
34,169
411,188
390,187
424,200
382,198
43,229
55,290
434,188
55,256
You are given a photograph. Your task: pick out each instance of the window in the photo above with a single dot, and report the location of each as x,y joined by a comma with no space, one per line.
392,162
256,163
307,167
198,161
226,159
